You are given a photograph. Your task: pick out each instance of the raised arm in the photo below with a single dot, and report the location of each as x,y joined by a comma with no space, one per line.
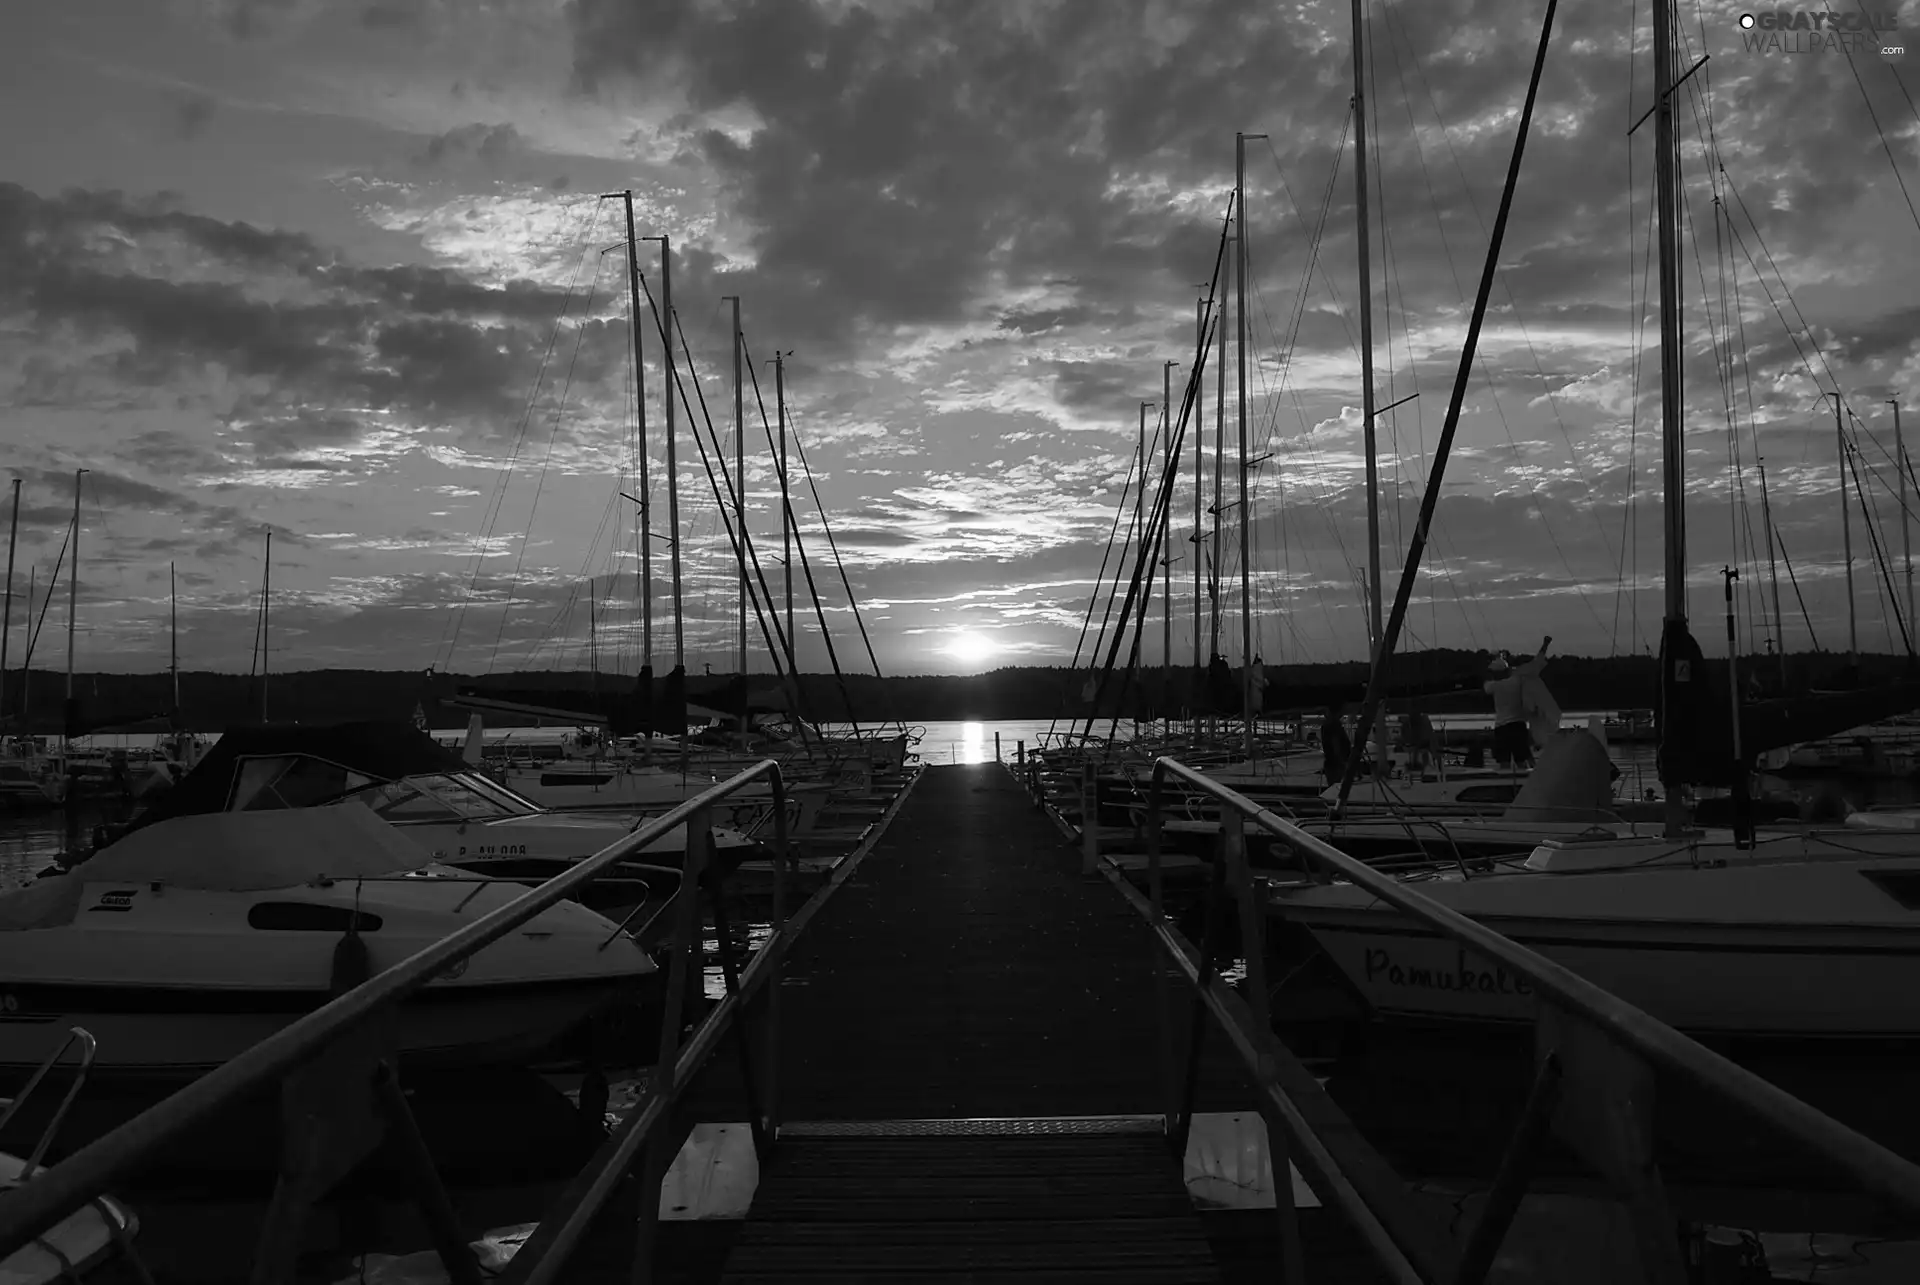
1539,662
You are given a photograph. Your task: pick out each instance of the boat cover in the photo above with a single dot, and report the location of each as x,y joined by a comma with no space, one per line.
247,851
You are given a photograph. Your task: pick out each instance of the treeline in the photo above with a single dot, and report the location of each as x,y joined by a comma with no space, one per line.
210,702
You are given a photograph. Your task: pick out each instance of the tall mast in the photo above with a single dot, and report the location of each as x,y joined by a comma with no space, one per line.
593,639
673,472
640,402
6,612
1773,574
173,639
1846,537
73,605
1199,480
1906,531
786,513
1672,444
1376,621
740,492
1166,544
1219,461
1140,519
26,662
266,635
1246,515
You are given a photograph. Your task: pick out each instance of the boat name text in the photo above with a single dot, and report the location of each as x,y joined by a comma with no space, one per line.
1463,976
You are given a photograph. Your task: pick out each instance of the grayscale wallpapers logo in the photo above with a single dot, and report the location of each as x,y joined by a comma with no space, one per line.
1807,31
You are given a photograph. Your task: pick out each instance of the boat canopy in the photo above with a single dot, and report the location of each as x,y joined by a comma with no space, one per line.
224,852
248,851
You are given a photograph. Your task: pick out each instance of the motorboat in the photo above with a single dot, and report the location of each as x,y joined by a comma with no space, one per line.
435,799
192,938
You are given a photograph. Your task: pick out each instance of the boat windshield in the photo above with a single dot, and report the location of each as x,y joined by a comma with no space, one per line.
516,804
433,797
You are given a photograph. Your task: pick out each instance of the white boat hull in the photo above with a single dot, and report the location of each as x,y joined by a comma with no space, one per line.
1812,937
165,1032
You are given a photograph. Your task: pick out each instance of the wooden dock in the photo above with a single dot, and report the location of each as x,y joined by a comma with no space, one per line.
971,1065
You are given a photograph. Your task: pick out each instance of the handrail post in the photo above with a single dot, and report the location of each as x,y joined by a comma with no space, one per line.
1162,993
1203,978
1233,848
996,747
1089,819
782,858
680,976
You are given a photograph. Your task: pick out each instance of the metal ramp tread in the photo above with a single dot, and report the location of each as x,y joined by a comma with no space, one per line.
1067,1200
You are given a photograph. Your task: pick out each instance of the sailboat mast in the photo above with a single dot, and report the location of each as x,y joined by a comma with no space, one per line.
1199,476
673,473
73,603
266,635
740,490
786,513
1773,573
1375,619
1166,544
1846,537
173,639
1146,548
1219,463
1672,444
1907,534
6,612
640,402
1246,516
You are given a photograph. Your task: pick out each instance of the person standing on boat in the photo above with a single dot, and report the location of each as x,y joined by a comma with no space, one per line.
1336,747
1506,683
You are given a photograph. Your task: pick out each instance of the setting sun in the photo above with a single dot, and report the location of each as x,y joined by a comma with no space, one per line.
971,649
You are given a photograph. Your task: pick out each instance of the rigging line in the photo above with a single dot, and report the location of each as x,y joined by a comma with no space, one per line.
774,650
825,525
800,546
1133,517
490,514
1099,578
1874,116
1805,326
53,583
1157,526
1519,321
806,567
1813,639
556,622
540,486
1884,584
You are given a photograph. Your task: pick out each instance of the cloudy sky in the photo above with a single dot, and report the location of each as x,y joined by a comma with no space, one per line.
338,269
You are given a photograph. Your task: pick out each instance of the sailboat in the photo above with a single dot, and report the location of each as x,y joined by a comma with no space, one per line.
1801,936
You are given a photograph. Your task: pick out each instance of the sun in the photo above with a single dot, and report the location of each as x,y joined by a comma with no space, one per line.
971,649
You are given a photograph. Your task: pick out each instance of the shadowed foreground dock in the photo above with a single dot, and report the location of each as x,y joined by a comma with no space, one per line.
958,1013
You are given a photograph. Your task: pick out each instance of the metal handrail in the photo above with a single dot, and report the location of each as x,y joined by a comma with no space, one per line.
1877,1169
88,1173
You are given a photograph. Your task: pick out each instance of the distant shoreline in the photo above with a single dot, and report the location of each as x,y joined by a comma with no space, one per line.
210,701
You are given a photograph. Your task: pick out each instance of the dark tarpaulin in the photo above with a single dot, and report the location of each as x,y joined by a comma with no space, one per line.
1695,723
384,750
